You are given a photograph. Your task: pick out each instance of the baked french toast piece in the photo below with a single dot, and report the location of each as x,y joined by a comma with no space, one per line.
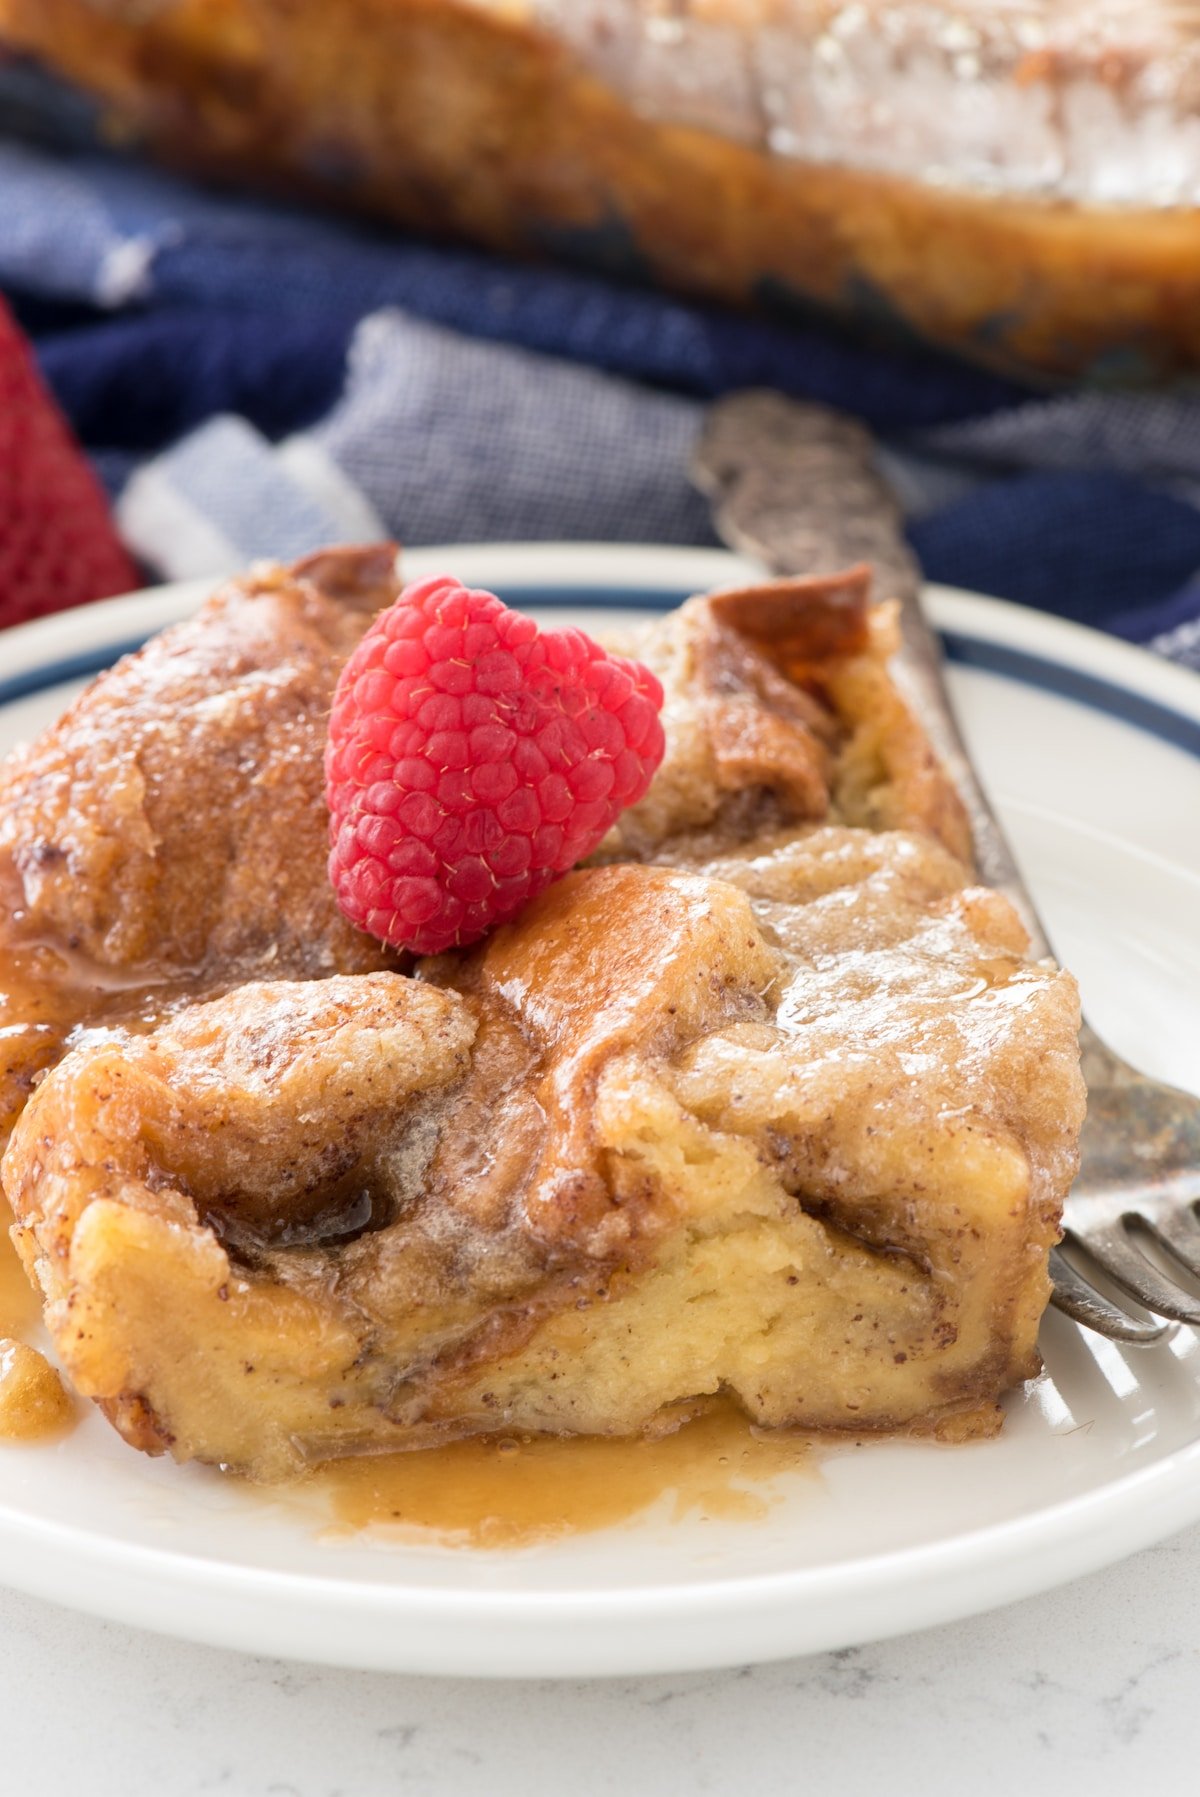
801,1139
166,838
781,708
173,819
789,1116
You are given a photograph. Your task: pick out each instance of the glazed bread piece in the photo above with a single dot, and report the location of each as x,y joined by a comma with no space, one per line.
197,753
167,837
779,707
803,1141
790,1118
778,151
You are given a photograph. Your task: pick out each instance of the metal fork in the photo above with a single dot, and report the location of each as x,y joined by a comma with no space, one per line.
799,488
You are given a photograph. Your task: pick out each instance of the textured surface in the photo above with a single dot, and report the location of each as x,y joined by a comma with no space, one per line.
173,824
167,837
472,759
791,1116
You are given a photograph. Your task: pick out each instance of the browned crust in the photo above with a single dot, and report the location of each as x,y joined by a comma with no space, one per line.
107,817
791,681
362,577
123,854
799,623
133,1417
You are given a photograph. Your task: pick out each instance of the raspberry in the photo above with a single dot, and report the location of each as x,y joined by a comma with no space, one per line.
472,759
57,543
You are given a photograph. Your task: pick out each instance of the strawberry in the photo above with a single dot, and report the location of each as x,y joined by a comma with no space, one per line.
57,542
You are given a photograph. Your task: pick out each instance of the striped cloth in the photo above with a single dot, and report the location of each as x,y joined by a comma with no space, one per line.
252,379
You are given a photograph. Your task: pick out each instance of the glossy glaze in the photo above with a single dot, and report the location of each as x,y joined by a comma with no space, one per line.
516,1491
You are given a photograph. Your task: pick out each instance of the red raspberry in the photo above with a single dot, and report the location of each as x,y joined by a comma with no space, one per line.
57,543
472,759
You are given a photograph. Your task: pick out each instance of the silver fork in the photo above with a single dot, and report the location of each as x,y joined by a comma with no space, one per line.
798,487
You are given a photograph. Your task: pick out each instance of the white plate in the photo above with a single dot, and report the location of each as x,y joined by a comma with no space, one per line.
1093,751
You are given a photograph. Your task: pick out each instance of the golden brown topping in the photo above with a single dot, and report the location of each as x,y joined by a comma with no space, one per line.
781,709
579,1175
800,624
174,819
167,837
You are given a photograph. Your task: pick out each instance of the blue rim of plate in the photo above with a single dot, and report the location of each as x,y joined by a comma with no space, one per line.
1147,715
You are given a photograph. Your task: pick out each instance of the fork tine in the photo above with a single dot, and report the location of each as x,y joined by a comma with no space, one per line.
1179,1233
1116,1255
1080,1301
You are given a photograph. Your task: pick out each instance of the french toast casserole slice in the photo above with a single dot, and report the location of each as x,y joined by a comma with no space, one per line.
767,1101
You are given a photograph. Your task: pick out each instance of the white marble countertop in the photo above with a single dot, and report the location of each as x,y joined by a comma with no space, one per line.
1087,1689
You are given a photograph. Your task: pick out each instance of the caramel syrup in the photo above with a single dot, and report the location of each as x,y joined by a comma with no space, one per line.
34,1403
20,1310
517,1491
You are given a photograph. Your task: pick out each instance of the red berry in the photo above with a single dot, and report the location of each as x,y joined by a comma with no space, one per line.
472,759
57,543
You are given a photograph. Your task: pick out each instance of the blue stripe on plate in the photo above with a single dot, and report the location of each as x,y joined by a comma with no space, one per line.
1070,683
66,667
973,652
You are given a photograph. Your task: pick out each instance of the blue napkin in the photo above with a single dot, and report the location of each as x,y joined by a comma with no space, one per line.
253,379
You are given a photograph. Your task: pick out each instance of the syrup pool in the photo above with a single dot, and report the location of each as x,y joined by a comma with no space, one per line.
512,1492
